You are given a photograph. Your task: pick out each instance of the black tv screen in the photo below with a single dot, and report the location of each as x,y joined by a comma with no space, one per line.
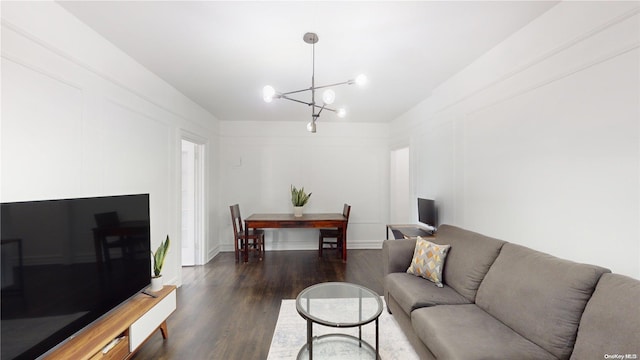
66,263
427,212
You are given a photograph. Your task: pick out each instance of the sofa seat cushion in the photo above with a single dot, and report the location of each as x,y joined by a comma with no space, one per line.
412,292
467,332
611,321
539,296
468,260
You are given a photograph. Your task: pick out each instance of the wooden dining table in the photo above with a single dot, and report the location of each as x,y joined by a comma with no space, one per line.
276,221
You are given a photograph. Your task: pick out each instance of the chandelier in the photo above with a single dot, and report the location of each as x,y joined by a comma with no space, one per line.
328,96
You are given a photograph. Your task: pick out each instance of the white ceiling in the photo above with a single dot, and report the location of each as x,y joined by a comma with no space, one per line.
220,54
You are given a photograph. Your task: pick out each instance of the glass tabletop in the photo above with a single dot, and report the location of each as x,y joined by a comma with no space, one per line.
339,304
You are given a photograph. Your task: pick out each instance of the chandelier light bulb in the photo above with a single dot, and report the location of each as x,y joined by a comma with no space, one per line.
329,96
268,93
361,80
342,112
311,127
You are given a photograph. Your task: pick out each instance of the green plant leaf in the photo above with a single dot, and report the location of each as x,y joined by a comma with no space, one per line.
159,257
298,196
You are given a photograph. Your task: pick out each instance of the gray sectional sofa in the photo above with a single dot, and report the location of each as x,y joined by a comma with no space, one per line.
505,301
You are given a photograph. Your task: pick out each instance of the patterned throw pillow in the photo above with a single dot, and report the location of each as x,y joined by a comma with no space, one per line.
428,260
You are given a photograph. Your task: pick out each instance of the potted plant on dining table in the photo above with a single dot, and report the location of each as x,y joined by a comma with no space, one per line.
298,198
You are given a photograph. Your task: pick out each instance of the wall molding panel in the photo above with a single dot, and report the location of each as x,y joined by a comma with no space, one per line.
537,141
115,132
102,74
549,55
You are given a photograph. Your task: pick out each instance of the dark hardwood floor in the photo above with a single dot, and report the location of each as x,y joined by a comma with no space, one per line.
229,311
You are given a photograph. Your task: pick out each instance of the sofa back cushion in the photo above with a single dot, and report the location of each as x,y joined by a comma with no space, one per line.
610,323
469,258
539,296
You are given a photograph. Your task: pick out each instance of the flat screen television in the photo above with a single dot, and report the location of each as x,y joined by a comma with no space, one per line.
427,212
66,263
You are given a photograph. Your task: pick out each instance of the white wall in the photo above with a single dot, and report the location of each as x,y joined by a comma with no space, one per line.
401,202
537,142
80,118
341,163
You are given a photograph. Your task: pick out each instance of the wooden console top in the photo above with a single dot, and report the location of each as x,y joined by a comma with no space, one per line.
95,337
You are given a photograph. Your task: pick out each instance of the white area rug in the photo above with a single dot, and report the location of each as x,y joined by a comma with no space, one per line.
291,334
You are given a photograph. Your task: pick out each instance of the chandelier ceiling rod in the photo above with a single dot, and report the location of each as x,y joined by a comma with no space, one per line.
269,93
313,39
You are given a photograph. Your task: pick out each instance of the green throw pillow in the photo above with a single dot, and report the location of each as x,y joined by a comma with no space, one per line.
428,260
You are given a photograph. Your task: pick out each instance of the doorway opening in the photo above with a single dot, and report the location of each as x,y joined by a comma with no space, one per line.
400,187
192,202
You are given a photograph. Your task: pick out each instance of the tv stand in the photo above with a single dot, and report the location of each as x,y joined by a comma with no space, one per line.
409,231
124,330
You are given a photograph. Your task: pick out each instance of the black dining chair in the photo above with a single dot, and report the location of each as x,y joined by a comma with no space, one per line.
253,242
333,234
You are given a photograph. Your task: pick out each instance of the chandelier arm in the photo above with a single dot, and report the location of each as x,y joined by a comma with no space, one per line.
296,91
296,100
323,107
349,82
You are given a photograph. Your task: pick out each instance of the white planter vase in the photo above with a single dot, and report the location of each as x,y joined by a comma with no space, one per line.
156,283
297,211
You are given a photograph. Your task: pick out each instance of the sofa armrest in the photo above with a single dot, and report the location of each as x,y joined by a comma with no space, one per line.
397,255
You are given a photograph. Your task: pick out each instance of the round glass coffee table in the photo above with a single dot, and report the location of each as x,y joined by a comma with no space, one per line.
339,305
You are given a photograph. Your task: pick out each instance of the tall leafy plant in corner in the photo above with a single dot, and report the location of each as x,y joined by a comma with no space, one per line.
299,197
159,256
